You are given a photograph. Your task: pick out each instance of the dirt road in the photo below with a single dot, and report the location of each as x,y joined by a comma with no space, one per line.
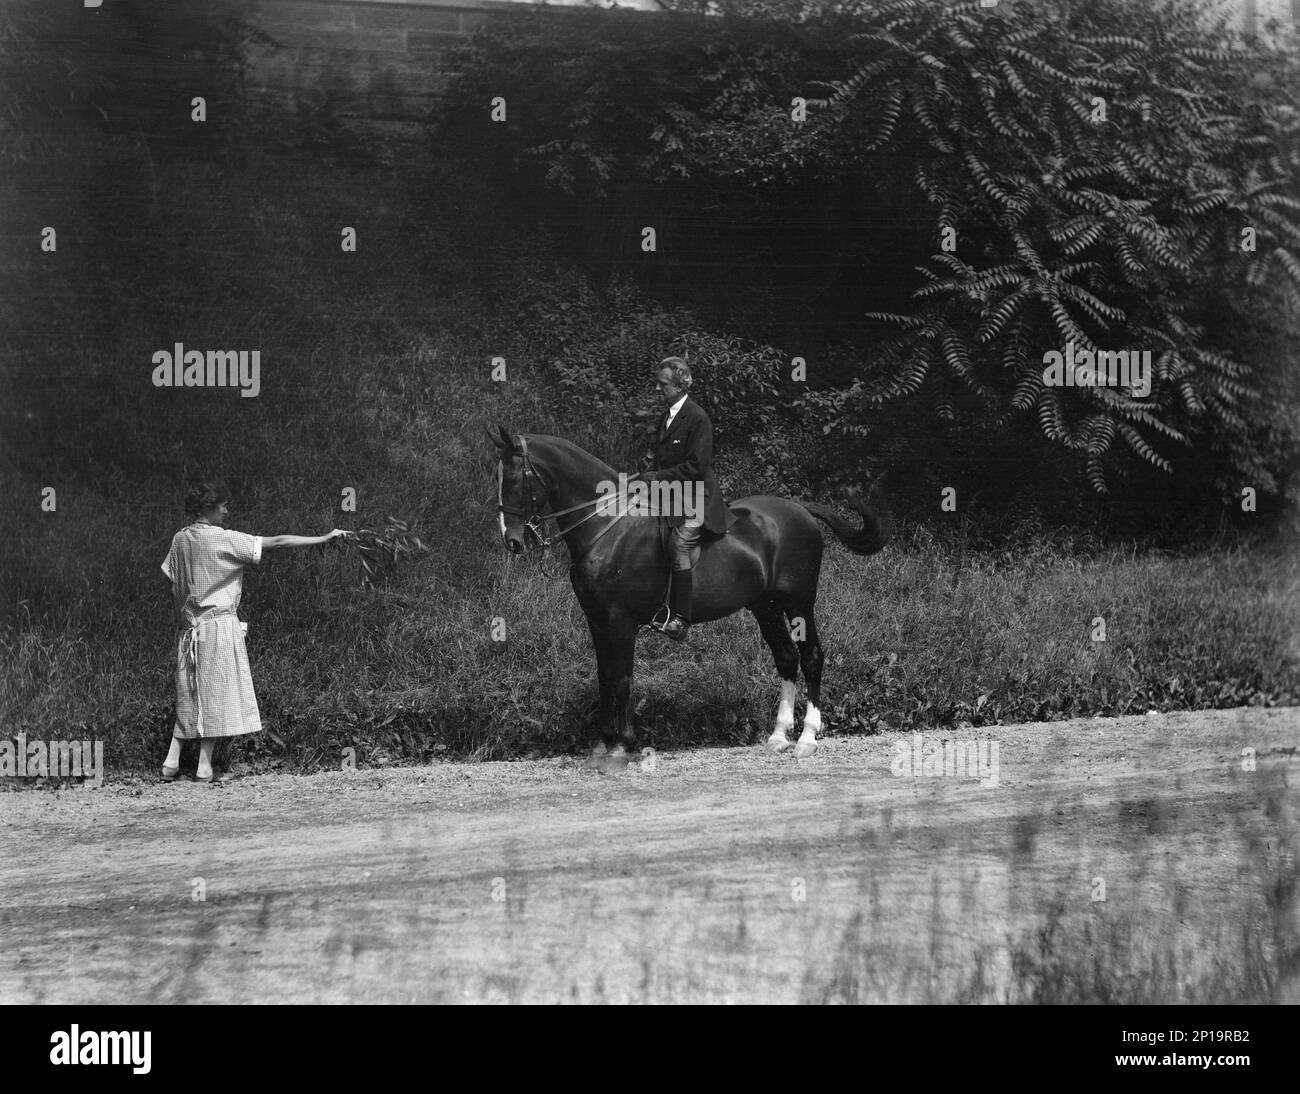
1134,859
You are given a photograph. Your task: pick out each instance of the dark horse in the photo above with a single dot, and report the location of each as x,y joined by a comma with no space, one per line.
768,562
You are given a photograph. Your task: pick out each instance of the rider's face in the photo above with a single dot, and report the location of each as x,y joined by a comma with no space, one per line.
669,392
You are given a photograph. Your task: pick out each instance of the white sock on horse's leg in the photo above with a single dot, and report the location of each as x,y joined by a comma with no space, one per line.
812,722
205,758
780,741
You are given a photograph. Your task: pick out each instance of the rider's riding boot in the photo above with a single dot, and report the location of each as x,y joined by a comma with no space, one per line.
679,604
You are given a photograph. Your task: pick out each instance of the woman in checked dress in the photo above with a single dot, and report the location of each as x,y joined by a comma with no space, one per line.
214,689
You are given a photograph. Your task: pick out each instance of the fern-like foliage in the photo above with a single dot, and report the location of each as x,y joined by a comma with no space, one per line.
1100,164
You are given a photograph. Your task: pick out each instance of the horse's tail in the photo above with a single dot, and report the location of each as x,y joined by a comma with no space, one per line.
868,539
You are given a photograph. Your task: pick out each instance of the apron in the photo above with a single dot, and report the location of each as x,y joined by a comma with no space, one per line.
214,687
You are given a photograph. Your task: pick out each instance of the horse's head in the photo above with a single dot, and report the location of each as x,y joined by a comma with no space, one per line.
523,493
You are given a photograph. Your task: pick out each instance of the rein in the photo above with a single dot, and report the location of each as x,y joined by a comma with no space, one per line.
533,516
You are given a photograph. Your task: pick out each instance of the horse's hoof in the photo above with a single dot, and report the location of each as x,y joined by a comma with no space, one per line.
778,742
614,762
804,749
648,760
595,758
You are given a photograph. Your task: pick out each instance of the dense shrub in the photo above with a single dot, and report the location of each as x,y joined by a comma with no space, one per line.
600,350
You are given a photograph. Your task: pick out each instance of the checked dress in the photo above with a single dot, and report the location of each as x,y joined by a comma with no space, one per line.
214,688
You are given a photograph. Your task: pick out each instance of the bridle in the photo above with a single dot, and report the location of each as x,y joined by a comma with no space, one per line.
533,516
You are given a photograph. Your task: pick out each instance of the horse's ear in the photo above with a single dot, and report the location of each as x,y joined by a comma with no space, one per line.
501,439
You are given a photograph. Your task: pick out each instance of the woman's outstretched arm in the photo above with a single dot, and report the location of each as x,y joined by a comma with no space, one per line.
269,543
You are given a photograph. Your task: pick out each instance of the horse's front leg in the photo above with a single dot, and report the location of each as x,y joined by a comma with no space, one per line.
614,639
624,656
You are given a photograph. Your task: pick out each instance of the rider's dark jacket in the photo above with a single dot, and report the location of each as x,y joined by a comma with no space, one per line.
685,453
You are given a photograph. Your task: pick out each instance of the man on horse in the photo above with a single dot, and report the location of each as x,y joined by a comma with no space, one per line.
683,452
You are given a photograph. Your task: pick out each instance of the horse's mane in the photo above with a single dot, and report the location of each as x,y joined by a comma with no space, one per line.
597,466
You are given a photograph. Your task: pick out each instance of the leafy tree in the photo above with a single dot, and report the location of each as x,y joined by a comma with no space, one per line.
1114,180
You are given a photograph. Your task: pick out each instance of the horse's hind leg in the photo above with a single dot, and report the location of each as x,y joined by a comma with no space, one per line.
771,620
811,659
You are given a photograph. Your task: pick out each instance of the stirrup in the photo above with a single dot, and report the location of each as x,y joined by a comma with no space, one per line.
676,633
661,618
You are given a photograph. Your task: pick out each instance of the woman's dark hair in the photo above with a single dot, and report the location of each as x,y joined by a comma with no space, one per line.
203,496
